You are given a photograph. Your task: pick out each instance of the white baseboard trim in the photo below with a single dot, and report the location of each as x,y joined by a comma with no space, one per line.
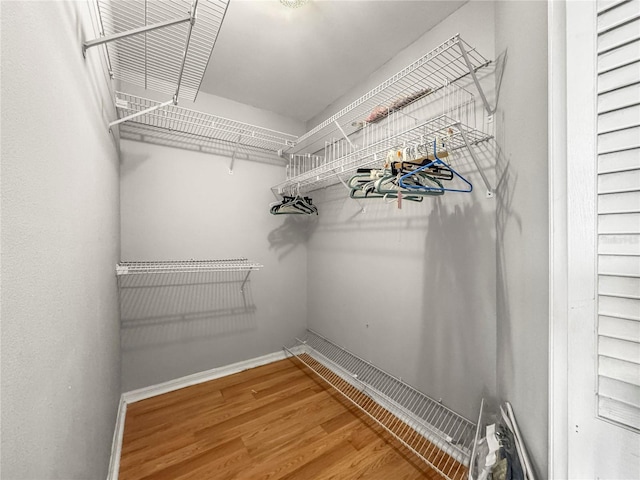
116,444
201,377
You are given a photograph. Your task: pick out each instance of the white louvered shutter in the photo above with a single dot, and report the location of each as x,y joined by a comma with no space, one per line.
618,189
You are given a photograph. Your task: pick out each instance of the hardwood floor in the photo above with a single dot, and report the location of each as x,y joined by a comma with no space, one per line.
271,422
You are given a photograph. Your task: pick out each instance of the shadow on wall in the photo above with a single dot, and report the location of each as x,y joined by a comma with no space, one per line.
458,303
295,230
505,216
163,309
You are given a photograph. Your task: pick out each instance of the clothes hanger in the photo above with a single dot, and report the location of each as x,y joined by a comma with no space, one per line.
294,205
437,162
417,156
389,185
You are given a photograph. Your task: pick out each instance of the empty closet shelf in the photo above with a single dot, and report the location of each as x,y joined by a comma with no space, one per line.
434,433
187,266
459,136
171,59
447,63
174,125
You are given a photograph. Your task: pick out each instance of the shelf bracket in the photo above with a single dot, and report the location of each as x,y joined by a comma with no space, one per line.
246,277
474,157
192,22
362,208
173,101
233,156
490,110
345,135
135,31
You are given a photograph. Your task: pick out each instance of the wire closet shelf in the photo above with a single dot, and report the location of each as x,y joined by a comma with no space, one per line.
160,45
459,136
177,126
434,433
187,266
448,63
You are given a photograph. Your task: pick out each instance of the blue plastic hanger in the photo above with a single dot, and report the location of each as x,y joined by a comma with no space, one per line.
437,161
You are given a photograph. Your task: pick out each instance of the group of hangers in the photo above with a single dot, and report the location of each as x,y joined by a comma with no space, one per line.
410,173
294,205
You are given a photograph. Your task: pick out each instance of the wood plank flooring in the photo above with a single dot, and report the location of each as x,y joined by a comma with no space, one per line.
272,422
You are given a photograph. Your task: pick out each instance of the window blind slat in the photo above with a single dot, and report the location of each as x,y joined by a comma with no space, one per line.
619,412
620,266
623,392
619,202
604,5
619,14
619,307
619,223
620,119
621,35
617,99
622,286
619,328
619,56
620,245
620,370
619,140
626,350
625,160
619,181
619,78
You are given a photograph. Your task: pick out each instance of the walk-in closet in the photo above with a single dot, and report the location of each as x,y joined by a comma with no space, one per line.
314,239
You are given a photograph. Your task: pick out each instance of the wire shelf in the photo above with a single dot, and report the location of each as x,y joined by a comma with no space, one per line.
375,153
443,65
182,266
181,126
154,59
437,435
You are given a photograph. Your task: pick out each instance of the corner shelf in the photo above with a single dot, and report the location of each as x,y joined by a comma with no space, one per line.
171,124
434,433
447,63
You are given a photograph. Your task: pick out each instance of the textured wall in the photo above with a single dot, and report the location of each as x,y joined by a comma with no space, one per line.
179,204
60,229
522,221
413,290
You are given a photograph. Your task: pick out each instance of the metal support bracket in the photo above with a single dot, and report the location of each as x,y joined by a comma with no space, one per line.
345,135
192,22
173,101
474,157
233,156
490,110
135,31
362,208
246,277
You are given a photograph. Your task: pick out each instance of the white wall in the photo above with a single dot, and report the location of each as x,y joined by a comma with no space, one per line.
179,204
522,221
60,228
413,290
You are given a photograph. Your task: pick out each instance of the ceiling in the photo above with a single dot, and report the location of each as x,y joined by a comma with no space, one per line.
296,62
